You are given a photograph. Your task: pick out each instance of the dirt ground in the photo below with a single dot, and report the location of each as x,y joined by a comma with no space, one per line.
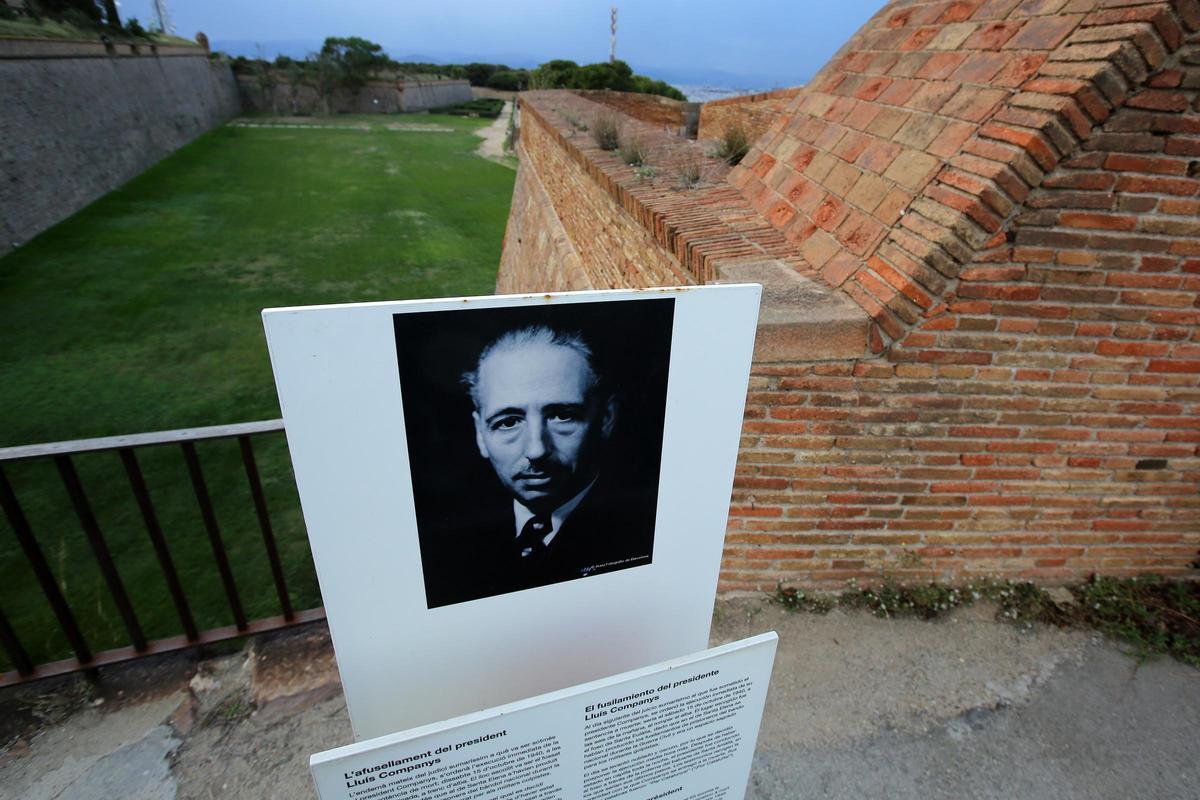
858,707
492,146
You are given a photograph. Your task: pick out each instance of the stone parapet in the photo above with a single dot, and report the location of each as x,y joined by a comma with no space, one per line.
91,48
800,319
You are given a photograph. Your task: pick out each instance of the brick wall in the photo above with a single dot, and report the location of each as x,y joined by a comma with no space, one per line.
538,254
650,108
607,248
753,112
75,127
1028,403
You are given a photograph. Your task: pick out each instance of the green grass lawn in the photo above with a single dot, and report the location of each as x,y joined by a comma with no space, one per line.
141,313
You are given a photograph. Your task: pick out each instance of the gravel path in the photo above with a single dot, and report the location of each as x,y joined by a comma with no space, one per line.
492,146
858,708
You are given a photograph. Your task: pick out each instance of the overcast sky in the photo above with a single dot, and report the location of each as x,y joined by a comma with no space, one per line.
781,42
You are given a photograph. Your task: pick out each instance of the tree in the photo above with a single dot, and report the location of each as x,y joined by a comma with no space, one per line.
616,75
293,72
352,60
83,13
646,85
557,74
111,18
328,78
267,82
478,74
508,80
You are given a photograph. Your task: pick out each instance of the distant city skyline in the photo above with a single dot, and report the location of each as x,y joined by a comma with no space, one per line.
757,43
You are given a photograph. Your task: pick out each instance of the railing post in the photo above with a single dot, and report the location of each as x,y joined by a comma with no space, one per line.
264,522
33,553
142,495
62,454
214,533
91,528
12,646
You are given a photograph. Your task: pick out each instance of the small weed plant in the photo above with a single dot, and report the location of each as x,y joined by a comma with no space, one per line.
633,150
794,599
573,119
1153,615
734,143
606,130
689,171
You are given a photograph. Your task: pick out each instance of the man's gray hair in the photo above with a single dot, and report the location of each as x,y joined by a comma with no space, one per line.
534,334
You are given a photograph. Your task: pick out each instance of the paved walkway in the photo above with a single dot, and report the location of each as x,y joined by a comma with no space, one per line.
859,707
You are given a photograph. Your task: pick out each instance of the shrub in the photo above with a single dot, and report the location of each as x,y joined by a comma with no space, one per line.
689,171
633,151
508,80
489,107
606,130
734,143
134,28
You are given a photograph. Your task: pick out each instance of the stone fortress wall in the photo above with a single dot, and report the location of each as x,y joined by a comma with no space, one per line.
79,121
377,97
977,229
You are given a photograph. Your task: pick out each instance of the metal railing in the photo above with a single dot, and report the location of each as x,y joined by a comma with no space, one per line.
126,447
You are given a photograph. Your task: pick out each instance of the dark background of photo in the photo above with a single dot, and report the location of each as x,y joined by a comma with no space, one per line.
631,342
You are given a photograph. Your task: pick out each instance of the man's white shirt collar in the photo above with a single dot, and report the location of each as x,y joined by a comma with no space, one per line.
557,517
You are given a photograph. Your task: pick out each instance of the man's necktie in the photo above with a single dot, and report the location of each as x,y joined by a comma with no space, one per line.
529,543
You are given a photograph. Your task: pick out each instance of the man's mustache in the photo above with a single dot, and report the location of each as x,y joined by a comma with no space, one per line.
546,472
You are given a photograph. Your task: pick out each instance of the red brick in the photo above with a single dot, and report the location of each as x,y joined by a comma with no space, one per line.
1156,164
979,68
932,96
1159,100
763,165
1028,140
1018,70
974,104
993,35
941,65
1044,33
878,156
906,286
1108,222
1174,365
1131,349
830,213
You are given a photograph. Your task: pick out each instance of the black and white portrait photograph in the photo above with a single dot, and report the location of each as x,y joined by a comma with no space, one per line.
535,438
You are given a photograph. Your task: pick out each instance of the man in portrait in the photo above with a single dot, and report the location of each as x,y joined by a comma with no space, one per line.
535,441
543,415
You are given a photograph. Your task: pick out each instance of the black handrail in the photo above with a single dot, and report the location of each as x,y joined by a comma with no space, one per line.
125,447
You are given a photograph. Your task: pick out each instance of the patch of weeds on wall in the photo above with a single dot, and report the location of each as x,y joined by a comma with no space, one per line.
689,169
1153,615
572,119
633,150
733,144
606,130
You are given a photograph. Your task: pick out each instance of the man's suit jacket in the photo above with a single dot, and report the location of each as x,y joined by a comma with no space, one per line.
475,554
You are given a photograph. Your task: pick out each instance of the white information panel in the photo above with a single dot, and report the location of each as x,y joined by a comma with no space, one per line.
685,729
511,495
